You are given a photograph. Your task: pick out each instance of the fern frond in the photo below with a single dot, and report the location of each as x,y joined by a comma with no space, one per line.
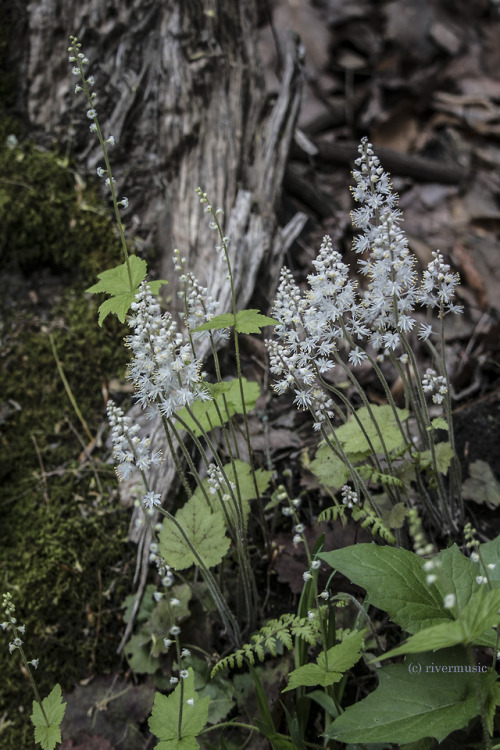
271,635
372,522
332,514
387,479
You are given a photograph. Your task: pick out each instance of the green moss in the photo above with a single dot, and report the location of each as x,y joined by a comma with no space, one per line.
48,216
64,553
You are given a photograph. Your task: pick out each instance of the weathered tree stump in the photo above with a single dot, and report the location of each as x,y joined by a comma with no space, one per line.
181,89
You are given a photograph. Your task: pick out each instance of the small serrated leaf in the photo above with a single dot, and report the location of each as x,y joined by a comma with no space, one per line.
118,305
482,486
164,719
206,413
252,321
396,517
226,320
329,666
353,439
116,281
444,454
49,735
329,469
246,321
440,424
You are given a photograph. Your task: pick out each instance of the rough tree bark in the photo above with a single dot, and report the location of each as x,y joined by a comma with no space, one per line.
181,89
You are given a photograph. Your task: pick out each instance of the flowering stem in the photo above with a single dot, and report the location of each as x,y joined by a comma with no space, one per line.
238,363
33,684
375,423
80,60
228,619
445,508
455,473
250,588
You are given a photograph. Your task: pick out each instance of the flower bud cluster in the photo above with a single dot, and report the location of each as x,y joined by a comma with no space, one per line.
420,544
86,84
199,305
214,224
349,497
11,624
435,385
218,483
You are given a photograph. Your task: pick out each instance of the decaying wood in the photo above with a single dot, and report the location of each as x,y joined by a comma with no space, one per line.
180,87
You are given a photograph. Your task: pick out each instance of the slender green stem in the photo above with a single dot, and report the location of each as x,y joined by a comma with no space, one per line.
173,453
455,473
68,390
360,424
181,706
33,684
238,366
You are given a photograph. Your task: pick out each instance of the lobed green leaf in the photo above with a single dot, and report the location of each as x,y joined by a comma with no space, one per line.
116,282
48,736
329,666
246,321
164,719
204,528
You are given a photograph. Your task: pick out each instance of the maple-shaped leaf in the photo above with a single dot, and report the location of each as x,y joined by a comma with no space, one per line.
205,529
246,321
116,281
226,402
164,720
251,321
48,735
122,288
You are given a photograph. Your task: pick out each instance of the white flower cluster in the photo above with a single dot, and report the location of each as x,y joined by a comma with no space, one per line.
391,294
311,326
434,384
438,286
129,450
349,497
164,370
307,341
